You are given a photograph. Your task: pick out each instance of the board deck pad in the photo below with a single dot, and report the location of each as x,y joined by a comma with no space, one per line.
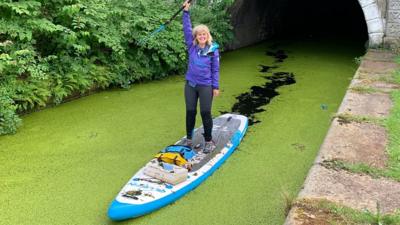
143,194
221,133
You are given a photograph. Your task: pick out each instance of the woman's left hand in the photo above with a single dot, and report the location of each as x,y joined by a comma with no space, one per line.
215,92
186,5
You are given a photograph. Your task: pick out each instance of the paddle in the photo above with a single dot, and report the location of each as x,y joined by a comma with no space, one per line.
162,26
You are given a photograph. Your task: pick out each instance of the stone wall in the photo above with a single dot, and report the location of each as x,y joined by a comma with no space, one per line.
392,36
255,20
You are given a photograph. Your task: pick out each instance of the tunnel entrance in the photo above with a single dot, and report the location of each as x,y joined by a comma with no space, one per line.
258,20
342,19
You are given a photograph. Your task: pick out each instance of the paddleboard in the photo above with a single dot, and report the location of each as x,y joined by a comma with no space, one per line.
144,194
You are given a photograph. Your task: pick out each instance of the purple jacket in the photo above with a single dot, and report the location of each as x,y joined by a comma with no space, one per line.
202,69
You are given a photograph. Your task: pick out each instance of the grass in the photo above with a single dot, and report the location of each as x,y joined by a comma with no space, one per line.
289,200
381,78
360,168
339,214
397,59
396,76
347,118
364,90
66,164
393,127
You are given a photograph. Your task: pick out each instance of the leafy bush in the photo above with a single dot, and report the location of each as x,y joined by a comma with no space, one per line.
53,49
9,121
216,17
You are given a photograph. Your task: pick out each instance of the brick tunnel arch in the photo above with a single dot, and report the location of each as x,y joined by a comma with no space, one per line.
258,20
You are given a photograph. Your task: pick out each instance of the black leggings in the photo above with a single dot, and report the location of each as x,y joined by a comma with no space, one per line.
192,94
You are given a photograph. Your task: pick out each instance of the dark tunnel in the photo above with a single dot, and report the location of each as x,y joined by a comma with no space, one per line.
340,18
258,20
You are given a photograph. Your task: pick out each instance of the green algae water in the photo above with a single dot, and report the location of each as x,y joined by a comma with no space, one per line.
66,164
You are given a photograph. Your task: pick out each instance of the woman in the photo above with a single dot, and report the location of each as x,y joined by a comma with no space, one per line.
202,78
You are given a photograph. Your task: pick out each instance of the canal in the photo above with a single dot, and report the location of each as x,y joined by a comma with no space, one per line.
67,163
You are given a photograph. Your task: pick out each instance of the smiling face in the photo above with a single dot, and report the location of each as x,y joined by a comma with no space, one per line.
202,38
202,35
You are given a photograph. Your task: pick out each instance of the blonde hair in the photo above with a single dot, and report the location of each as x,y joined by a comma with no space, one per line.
199,28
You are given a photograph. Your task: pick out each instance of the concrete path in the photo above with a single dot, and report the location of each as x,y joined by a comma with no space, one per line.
355,142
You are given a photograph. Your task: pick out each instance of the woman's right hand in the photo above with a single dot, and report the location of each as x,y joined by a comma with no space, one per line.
186,5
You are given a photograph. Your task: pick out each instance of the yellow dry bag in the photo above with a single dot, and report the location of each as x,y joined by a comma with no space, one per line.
171,157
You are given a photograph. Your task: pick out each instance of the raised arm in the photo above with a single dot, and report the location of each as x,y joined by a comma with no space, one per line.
187,29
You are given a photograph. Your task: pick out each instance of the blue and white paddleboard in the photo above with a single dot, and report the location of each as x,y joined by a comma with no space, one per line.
228,131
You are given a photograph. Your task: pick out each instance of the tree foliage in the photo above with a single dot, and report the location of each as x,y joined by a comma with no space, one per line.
53,49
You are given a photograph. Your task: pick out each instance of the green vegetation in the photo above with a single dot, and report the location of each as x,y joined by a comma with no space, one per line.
67,163
338,214
393,127
397,76
383,78
358,60
50,50
364,90
289,200
360,168
347,118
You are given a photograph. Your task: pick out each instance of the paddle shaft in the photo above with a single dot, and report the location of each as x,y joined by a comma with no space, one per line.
175,15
